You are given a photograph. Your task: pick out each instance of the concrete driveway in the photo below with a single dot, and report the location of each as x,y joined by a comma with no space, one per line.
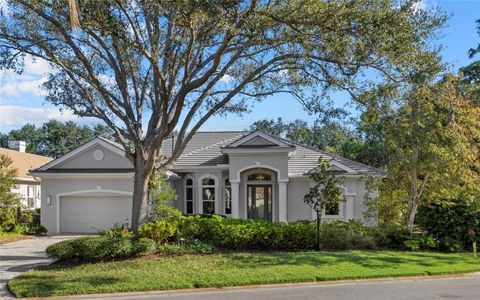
17,257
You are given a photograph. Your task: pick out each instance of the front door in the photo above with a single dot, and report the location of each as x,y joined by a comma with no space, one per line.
259,201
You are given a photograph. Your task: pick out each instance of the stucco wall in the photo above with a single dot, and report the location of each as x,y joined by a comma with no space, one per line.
275,161
85,160
55,187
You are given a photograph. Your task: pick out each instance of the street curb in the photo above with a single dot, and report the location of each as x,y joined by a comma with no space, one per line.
267,286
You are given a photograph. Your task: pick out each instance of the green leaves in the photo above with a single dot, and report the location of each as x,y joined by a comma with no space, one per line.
324,192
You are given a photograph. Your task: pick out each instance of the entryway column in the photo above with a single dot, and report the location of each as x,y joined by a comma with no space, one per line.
235,198
282,201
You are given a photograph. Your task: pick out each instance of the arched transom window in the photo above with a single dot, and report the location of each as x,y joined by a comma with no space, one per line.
259,177
208,195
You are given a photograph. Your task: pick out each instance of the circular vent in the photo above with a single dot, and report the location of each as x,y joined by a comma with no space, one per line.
98,154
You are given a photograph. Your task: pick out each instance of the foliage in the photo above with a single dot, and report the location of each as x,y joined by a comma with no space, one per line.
100,248
235,234
324,193
9,201
162,195
430,131
455,224
391,236
160,231
118,231
55,138
30,228
7,237
145,67
327,136
232,269
187,247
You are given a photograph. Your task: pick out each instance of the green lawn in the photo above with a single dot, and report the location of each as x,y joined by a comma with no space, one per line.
7,237
220,270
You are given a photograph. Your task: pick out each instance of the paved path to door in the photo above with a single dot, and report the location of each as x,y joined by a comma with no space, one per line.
17,257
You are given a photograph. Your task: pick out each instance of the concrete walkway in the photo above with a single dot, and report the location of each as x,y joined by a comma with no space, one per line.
17,257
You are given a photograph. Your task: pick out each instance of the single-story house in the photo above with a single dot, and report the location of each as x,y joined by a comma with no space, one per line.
27,187
248,175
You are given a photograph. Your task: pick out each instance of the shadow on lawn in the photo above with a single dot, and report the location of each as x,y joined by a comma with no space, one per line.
373,259
41,285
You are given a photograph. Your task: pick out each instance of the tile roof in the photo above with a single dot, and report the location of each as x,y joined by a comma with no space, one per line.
205,150
24,162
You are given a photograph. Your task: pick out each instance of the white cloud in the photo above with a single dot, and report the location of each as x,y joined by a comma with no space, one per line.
27,85
420,5
17,116
29,82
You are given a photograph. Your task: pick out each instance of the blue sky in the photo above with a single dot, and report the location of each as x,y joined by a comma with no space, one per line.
21,99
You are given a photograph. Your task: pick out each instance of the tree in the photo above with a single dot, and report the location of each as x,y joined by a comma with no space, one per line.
9,201
55,138
146,67
324,195
430,131
471,73
30,134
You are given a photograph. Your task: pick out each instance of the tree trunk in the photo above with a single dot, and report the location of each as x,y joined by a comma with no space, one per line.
411,217
143,169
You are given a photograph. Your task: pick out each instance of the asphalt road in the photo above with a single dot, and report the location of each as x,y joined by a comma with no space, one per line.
392,289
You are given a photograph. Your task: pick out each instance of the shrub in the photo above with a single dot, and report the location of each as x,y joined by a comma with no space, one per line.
456,225
99,248
30,228
188,247
118,231
344,235
391,237
160,231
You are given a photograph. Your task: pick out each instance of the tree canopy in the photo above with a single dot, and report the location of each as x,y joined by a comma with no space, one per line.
147,67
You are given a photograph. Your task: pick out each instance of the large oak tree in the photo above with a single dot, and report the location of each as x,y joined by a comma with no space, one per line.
146,67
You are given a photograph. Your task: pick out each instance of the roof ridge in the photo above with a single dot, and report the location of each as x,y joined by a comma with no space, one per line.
27,153
212,145
334,156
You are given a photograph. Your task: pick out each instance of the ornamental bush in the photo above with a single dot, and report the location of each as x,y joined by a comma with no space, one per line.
100,248
456,224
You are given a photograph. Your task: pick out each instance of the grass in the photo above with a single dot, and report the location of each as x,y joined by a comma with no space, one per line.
7,237
220,270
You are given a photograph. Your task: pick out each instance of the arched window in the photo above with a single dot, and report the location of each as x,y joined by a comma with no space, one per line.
208,195
189,196
259,177
228,197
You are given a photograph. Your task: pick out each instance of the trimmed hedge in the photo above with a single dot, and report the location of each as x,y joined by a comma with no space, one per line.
236,234
100,248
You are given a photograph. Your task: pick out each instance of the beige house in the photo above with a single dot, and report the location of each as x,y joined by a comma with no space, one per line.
27,187
248,175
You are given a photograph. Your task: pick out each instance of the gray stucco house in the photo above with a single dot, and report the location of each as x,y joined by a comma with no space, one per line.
237,174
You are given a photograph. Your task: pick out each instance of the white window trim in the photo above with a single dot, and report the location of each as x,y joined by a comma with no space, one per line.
200,192
185,194
224,199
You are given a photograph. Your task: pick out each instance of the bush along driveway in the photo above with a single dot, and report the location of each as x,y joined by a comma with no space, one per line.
230,269
19,256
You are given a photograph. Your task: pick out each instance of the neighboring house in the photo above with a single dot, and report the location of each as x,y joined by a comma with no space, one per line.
27,186
248,175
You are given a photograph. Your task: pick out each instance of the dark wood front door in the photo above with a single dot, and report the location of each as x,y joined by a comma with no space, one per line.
259,202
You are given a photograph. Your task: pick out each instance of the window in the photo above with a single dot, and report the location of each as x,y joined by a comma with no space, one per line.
332,210
189,196
31,196
259,177
228,197
208,196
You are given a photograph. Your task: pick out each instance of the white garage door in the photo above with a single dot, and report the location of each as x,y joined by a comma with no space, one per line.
89,214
